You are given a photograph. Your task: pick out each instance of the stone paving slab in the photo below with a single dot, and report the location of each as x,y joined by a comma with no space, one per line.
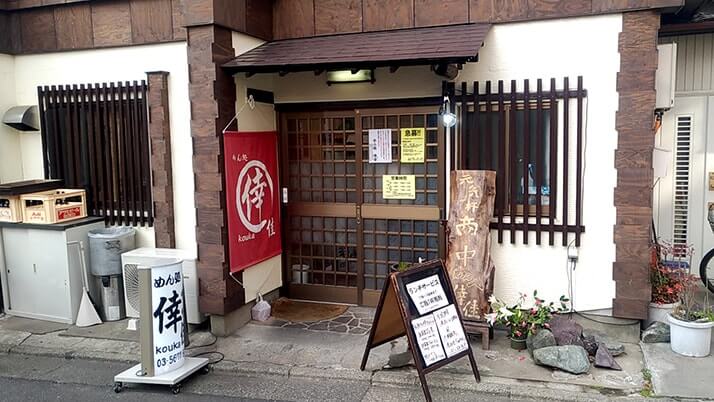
39,327
679,376
260,350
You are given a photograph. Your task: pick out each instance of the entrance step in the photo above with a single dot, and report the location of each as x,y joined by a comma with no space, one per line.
617,329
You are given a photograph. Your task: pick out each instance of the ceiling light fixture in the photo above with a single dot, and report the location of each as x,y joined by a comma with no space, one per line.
350,76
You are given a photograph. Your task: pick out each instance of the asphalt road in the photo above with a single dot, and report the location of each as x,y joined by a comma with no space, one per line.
36,378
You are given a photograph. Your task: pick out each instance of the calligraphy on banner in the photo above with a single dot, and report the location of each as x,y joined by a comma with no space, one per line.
413,145
167,317
398,187
380,145
253,197
469,259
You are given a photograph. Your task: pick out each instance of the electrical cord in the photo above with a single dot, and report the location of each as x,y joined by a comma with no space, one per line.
619,324
210,352
213,342
220,358
570,268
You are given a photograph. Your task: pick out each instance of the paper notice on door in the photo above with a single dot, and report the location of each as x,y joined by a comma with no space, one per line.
450,330
413,141
427,294
398,187
380,145
427,337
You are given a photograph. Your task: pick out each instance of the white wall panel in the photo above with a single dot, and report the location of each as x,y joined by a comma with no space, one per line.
120,64
695,62
10,154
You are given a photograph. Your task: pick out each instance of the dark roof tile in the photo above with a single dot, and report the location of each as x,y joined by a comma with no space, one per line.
414,46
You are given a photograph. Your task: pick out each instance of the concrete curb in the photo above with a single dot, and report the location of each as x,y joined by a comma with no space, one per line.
398,378
408,378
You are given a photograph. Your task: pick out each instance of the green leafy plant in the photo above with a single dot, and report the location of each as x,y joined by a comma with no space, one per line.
647,390
523,321
401,266
689,309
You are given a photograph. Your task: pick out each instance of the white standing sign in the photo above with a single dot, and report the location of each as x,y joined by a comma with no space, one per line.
380,145
427,294
427,337
451,330
167,317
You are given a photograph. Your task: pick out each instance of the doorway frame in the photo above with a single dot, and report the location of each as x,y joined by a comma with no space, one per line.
373,211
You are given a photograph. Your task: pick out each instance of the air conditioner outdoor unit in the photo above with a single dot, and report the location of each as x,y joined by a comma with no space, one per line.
148,256
666,77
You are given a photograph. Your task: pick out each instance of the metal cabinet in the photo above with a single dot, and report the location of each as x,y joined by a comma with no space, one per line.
41,277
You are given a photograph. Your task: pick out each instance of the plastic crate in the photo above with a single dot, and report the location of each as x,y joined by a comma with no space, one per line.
10,208
53,206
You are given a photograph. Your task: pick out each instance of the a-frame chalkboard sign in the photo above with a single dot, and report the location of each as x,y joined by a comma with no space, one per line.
420,304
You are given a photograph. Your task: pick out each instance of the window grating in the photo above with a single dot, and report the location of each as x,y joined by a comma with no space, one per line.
683,138
96,137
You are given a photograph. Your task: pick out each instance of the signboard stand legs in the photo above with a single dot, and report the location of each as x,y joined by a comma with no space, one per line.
420,304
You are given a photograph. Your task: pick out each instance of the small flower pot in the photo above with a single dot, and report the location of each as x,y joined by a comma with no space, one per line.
659,312
518,344
690,338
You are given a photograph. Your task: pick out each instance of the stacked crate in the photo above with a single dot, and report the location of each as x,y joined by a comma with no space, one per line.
53,206
11,204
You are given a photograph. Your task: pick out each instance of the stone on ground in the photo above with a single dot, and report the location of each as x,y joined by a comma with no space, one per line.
615,348
590,344
570,358
657,332
541,339
604,359
566,331
397,360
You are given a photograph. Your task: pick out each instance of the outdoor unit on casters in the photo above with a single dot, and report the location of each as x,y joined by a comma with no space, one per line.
143,256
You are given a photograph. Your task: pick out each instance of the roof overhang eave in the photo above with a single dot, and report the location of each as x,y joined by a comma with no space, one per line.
320,67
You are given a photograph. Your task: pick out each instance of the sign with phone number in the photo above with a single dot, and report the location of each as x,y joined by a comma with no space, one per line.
167,317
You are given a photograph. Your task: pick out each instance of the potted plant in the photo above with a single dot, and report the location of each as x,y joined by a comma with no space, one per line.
667,274
691,324
522,321
541,313
401,266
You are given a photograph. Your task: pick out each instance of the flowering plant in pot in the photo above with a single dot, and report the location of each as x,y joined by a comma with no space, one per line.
523,321
667,276
691,323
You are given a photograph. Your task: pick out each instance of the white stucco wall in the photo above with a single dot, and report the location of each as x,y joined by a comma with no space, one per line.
265,276
572,47
10,154
584,46
120,64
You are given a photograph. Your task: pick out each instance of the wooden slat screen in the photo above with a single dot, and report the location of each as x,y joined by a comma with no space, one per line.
519,135
95,137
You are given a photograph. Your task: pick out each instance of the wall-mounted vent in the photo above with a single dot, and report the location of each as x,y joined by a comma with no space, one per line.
22,118
682,152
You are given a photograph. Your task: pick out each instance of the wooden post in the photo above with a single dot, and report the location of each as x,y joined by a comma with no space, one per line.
469,259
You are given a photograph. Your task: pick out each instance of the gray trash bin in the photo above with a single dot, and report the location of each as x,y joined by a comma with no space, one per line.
105,249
